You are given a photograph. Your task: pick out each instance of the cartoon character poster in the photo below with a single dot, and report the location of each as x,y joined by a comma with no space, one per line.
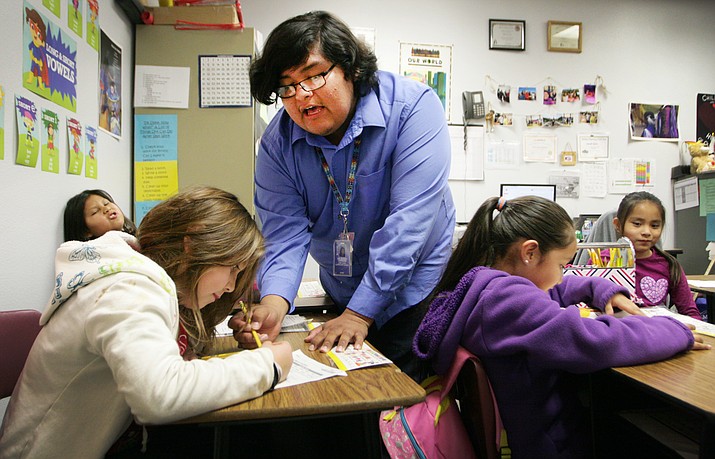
53,6
74,16
110,86
90,168
76,143
2,124
28,143
50,145
49,65
93,23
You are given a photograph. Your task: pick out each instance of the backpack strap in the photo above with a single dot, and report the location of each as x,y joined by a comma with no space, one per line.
460,358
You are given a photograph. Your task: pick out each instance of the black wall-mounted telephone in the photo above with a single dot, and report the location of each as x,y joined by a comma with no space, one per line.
473,105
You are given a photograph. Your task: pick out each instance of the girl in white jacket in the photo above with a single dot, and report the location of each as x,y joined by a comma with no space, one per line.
108,349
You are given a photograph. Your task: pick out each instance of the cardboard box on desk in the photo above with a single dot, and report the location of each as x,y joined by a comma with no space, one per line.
203,14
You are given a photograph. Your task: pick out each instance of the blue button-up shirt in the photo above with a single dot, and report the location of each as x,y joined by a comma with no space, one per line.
401,210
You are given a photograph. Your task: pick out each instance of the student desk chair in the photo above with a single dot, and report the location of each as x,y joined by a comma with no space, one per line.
18,330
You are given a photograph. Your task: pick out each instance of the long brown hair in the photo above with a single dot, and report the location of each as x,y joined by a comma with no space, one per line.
219,231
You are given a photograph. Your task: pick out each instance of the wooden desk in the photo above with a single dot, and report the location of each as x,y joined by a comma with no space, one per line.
684,384
709,293
363,392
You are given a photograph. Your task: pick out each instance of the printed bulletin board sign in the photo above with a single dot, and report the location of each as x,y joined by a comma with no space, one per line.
49,65
156,171
28,144
224,81
431,65
75,138
50,144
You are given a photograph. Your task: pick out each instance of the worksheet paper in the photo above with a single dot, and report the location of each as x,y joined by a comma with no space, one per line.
305,370
291,323
704,328
352,359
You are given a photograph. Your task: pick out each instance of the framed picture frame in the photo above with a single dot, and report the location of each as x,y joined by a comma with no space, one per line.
507,34
564,37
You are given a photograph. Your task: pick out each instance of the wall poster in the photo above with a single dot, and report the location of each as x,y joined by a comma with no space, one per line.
431,65
110,86
49,64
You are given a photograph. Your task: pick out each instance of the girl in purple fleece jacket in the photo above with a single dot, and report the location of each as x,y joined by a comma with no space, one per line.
504,298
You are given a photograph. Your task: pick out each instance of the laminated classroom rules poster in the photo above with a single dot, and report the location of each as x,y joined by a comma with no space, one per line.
76,142
90,167
156,167
49,64
28,143
50,146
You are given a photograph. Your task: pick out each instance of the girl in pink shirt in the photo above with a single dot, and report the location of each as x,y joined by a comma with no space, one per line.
640,218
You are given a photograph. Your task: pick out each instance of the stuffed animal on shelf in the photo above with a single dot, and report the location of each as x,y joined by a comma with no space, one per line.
701,160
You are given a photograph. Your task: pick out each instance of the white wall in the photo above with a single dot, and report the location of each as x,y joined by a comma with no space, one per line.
646,51
33,201
655,50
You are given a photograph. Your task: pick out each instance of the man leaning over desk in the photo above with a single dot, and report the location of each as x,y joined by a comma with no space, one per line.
359,159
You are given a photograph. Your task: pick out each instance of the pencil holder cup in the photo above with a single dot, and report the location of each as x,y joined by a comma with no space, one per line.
614,261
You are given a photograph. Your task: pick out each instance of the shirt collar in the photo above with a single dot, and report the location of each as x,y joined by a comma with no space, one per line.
367,113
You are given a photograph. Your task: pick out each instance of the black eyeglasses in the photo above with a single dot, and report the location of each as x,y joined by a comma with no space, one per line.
309,84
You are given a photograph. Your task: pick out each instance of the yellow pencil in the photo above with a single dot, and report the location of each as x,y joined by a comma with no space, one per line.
244,308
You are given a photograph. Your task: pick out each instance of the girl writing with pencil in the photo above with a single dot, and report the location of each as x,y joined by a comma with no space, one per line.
641,218
108,350
503,297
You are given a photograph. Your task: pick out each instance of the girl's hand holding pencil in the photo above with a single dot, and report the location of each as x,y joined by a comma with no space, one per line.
264,318
247,317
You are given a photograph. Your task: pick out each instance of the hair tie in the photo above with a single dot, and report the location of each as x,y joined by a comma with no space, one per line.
501,203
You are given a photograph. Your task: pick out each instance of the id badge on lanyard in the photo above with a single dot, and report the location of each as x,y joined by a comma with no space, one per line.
343,255
343,245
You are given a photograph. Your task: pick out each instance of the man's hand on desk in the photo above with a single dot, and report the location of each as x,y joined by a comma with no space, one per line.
266,319
349,327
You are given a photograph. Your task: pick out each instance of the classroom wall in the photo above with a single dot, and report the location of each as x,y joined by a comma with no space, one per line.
645,51
33,200
655,51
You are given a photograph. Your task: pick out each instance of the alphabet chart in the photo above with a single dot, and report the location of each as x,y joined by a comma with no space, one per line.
223,81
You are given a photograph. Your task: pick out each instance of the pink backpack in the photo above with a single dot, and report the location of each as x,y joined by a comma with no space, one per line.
432,429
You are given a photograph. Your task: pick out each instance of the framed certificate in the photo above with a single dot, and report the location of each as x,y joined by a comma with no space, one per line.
564,37
507,34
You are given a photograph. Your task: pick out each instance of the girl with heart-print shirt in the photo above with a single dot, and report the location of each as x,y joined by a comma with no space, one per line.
641,218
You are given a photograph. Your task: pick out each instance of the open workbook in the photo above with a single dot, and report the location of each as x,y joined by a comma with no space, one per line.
704,328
